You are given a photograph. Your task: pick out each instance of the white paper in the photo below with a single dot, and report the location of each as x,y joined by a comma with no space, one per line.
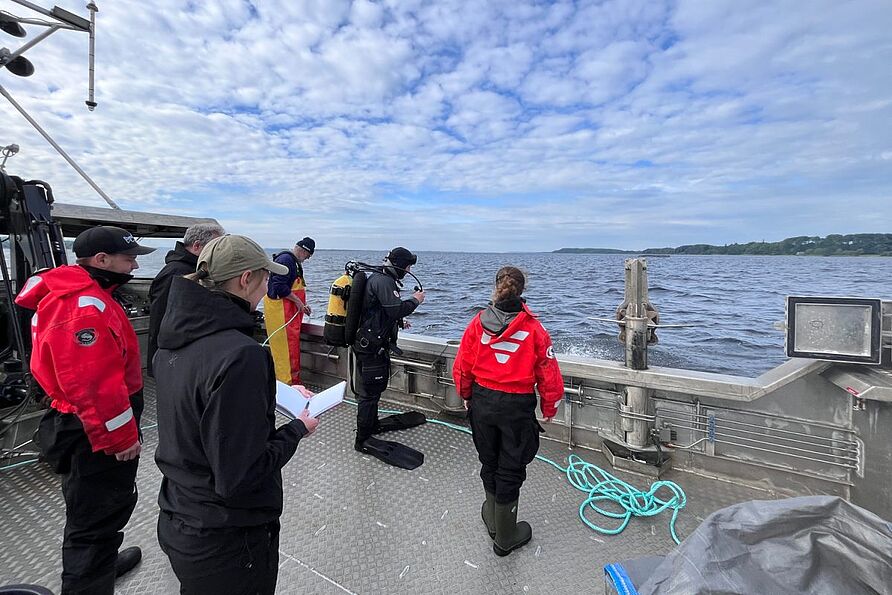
291,402
325,400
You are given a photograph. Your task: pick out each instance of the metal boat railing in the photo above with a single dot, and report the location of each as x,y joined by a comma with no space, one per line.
789,430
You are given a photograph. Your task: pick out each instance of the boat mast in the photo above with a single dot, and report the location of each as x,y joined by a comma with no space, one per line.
16,63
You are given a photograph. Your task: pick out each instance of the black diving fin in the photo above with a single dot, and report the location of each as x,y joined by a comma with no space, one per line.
392,453
400,421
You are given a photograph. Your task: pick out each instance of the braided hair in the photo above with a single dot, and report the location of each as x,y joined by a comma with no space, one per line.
510,282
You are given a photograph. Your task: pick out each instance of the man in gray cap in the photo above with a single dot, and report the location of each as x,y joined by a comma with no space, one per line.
85,357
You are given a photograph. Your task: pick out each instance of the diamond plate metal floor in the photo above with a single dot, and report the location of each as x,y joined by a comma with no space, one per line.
354,525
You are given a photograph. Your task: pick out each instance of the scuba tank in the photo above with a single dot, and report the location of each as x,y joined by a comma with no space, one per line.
336,314
345,306
354,306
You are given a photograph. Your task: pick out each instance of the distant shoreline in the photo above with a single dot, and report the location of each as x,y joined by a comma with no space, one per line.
860,244
643,254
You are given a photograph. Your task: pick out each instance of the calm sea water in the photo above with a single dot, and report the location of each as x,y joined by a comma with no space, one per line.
734,301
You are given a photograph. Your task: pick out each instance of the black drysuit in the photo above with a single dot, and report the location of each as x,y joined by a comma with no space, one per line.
218,446
382,311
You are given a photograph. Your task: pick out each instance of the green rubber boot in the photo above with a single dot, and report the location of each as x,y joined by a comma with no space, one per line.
510,534
487,512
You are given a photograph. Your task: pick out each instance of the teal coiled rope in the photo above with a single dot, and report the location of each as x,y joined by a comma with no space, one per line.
601,485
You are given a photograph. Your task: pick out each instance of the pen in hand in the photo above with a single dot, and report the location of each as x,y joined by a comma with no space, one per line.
309,421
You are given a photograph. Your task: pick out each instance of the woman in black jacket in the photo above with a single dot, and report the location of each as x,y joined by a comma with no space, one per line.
219,449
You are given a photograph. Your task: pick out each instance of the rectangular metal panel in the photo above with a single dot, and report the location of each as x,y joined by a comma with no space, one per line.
834,329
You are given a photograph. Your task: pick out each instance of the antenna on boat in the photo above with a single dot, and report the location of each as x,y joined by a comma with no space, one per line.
91,103
16,63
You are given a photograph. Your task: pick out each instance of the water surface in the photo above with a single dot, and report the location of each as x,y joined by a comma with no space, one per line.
734,301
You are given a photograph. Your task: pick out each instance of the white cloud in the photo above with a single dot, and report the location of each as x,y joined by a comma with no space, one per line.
620,122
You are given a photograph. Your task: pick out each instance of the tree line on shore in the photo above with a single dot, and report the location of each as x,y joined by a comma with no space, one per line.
859,244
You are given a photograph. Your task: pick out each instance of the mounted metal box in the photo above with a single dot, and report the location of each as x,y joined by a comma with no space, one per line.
836,329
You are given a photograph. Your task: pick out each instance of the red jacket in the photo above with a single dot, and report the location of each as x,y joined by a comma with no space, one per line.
515,361
85,354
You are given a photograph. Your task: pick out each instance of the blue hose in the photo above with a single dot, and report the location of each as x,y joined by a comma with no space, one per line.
19,464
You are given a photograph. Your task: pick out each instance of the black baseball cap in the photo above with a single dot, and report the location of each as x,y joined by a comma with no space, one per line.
108,239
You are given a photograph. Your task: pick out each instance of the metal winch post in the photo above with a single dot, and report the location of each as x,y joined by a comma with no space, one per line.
636,313
636,320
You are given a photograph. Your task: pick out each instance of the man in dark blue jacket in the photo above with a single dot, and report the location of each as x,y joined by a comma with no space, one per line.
283,309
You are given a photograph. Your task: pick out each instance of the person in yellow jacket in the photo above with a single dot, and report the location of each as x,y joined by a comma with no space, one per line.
284,307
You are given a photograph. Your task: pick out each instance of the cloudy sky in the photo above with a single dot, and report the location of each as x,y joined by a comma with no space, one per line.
474,125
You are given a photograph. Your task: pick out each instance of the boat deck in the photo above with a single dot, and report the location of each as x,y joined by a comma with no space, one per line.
354,525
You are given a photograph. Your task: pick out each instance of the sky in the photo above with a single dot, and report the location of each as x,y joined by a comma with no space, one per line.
473,125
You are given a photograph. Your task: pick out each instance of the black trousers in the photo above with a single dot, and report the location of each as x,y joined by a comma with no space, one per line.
100,495
370,375
236,561
506,435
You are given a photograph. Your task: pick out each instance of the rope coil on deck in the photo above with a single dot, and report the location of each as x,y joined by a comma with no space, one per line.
601,485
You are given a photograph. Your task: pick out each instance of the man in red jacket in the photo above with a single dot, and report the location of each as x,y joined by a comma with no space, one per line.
85,357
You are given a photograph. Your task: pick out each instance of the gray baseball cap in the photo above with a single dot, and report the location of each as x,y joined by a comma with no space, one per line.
229,256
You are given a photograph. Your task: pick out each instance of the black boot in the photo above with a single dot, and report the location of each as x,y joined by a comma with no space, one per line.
363,432
510,534
360,438
126,560
487,512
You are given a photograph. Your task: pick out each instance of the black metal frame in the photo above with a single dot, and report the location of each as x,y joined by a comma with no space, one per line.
876,322
35,242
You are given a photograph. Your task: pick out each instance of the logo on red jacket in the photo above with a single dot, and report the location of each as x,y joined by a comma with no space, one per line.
549,353
85,336
504,347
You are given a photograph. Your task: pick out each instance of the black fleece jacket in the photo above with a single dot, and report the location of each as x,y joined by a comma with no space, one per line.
178,262
218,447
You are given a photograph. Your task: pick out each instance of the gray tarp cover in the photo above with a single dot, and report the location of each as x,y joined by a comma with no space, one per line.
812,544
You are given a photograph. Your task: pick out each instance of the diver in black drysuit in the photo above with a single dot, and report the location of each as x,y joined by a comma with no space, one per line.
382,314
